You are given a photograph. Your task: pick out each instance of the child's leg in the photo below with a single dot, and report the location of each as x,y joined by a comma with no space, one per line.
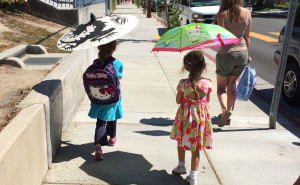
181,154
180,169
111,128
100,133
192,178
195,160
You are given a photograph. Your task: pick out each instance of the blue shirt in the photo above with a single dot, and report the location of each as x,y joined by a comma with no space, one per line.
113,111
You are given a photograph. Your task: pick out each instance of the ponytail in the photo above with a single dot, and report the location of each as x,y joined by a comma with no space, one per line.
193,62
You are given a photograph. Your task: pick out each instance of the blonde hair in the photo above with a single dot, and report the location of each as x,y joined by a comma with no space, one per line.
233,8
194,62
106,50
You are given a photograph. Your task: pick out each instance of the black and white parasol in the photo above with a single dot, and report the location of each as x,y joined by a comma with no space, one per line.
97,31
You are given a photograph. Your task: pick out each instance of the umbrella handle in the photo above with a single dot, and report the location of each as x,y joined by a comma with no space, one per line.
220,39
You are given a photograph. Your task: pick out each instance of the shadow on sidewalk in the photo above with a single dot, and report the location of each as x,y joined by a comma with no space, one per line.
127,168
215,130
164,122
120,41
154,133
69,151
266,96
157,121
118,167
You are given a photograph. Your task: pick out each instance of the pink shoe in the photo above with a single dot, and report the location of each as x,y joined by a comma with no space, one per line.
111,142
98,153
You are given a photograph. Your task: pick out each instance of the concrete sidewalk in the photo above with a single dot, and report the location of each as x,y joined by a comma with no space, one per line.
244,152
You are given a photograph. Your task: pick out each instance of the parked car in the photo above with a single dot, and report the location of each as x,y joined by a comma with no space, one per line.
291,80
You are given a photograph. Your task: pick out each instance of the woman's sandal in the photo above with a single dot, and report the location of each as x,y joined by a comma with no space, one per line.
220,115
224,118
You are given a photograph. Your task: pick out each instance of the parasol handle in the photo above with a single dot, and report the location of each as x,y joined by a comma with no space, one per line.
220,39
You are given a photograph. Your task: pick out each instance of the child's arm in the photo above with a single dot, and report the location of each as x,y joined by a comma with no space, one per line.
208,97
179,97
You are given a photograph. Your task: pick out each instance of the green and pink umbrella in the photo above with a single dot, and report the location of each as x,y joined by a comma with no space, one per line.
194,36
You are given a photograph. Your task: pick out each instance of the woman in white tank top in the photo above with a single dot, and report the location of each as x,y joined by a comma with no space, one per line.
232,59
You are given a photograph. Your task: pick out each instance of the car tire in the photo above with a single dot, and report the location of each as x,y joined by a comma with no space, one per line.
291,84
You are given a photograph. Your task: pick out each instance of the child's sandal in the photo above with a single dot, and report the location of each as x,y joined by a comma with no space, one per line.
98,153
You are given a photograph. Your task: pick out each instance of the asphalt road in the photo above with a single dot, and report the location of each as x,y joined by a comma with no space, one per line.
264,30
262,50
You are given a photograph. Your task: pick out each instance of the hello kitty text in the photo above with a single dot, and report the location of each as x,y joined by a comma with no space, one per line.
95,75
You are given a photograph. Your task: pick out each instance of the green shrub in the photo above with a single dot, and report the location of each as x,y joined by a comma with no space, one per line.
114,4
137,3
175,19
10,4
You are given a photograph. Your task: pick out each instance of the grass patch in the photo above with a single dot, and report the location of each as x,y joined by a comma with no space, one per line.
278,6
275,6
33,35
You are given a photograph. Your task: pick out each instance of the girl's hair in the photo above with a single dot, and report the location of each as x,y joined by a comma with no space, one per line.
106,50
233,7
194,62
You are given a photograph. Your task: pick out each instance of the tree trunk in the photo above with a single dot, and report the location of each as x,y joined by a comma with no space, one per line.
167,13
148,9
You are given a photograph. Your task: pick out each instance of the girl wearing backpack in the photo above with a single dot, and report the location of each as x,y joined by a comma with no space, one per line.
232,59
192,128
106,115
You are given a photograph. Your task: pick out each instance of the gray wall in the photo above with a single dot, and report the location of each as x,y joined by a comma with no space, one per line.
60,93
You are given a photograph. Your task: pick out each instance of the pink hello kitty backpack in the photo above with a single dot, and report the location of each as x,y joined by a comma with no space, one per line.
101,82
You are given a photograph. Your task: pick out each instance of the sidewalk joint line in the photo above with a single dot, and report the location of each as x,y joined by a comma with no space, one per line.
213,168
165,73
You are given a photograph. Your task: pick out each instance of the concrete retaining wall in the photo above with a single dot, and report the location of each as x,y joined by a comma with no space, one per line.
70,17
23,154
29,143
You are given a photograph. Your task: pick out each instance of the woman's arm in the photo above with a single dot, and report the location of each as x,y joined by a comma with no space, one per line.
179,97
247,34
220,19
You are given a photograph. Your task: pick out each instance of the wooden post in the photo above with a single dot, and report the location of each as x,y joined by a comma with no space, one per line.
149,9
167,13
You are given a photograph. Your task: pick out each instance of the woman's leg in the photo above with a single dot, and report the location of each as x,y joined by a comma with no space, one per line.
100,133
221,91
230,92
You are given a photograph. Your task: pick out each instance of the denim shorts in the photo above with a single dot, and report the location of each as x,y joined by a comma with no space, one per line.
231,64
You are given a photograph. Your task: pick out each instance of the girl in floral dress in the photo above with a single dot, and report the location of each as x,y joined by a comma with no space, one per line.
192,127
